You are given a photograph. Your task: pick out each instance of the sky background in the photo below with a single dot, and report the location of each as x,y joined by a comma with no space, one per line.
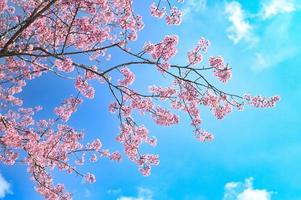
256,153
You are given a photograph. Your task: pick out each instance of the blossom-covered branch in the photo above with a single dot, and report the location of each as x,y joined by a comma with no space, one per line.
39,37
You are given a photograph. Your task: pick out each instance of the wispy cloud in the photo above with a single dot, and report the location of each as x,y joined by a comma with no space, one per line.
265,60
245,191
114,191
143,194
4,187
194,6
270,41
240,28
277,44
274,7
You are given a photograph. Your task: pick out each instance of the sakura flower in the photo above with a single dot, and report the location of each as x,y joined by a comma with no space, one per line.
115,156
69,106
156,11
65,65
90,178
129,77
175,17
84,87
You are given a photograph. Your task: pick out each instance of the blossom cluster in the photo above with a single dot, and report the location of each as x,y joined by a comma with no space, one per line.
174,17
69,106
165,50
156,11
221,70
161,92
262,102
194,56
219,105
84,87
132,137
129,77
64,65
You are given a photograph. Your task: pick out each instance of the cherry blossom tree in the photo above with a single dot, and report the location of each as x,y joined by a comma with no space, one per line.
46,36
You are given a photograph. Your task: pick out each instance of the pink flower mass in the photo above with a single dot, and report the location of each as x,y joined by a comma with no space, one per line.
50,36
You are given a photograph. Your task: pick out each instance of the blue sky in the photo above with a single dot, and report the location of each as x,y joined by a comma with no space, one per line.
256,153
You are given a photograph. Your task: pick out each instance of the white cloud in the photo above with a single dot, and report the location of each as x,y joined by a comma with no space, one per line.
265,60
277,44
4,187
240,28
250,194
275,7
143,194
194,6
270,40
245,191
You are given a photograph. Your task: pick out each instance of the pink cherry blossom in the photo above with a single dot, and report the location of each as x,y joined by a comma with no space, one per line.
221,70
129,77
164,117
11,138
156,11
90,178
69,106
84,87
3,5
115,156
262,102
64,65
175,17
